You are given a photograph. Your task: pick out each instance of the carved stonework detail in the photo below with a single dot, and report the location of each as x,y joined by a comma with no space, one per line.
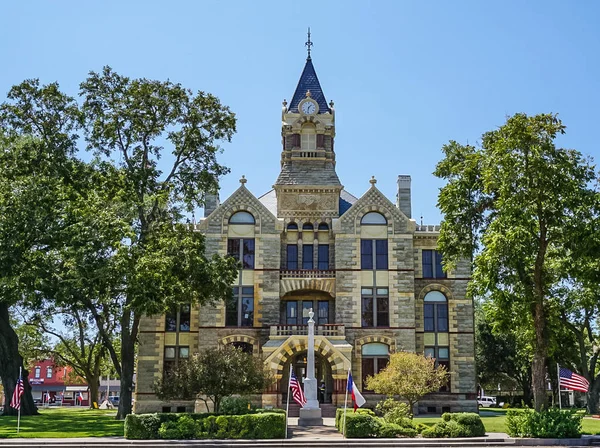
308,202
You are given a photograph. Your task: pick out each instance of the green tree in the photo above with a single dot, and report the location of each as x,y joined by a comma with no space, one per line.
37,142
118,250
215,373
410,376
516,207
502,355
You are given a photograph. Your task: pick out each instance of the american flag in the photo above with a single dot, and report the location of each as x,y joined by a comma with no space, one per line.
572,381
15,402
297,393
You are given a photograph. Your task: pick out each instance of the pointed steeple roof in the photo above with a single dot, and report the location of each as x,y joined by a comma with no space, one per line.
309,81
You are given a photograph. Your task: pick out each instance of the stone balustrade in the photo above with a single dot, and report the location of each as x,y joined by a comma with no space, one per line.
307,273
302,330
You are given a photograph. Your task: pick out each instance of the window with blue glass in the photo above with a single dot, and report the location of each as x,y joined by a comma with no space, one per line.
374,253
242,249
292,256
323,257
239,311
432,264
375,307
307,256
435,320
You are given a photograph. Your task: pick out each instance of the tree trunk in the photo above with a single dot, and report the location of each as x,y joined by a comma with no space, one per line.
592,396
10,361
538,372
128,340
94,385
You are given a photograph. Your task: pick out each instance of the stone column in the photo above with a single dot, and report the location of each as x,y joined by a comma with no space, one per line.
310,414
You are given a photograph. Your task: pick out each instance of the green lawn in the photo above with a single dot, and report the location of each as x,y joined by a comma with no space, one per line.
64,422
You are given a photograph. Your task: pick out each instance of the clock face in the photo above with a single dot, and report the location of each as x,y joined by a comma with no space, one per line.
309,107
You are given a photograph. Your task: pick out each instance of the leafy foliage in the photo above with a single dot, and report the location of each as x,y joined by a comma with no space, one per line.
216,373
550,423
106,236
265,425
517,207
395,412
461,424
410,376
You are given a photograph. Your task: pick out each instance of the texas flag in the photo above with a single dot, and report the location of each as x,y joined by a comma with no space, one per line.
357,397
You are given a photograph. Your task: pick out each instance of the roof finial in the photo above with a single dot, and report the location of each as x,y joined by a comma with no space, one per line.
308,44
373,181
243,180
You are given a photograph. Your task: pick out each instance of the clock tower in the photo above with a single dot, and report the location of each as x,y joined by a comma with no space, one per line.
308,188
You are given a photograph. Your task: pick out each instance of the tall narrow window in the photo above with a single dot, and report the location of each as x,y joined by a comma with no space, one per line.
307,256
435,320
375,307
292,256
48,372
375,357
323,312
242,250
178,317
377,258
239,311
323,258
38,372
432,264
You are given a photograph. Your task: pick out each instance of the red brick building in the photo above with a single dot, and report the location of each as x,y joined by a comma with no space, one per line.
57,385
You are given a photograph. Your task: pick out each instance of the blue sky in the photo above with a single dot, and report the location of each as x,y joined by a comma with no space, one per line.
406,77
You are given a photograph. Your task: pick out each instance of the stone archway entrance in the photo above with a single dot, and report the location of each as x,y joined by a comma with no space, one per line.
323,375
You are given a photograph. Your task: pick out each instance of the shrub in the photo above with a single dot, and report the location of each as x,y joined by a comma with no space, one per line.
264,425
362,425
395,412
235,406
391,430
460,424
550,423
183,428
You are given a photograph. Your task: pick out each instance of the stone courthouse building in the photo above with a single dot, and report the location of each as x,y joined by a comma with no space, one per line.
371,274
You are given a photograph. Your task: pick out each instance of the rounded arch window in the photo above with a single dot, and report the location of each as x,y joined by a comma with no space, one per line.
323,226
292,226
374,219
307,226
308,138
241,218
435,296
375,349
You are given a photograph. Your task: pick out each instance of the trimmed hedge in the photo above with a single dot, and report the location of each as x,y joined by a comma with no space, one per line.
460,424
259,425
551,423
364,423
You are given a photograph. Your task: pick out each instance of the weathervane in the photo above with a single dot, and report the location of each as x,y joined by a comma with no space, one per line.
308,43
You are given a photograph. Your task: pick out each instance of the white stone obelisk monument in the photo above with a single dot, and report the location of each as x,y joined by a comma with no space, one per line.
310,414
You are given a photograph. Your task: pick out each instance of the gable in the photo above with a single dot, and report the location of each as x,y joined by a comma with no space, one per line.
374,201
240,200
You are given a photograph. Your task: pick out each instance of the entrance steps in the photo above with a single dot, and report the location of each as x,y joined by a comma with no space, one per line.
327,410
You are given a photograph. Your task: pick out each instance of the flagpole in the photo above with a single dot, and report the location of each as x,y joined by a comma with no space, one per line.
19,410
558,373
345,405
287,408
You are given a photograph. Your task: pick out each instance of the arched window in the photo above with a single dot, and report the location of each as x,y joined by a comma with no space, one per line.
292,226
373,219
375,357
323,226
435,324
307,226
241,218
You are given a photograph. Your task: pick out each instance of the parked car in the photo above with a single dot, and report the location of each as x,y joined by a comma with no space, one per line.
114,400
487,402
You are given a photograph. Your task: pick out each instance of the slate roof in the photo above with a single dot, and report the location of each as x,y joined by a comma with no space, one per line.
269,200
309,81
307,172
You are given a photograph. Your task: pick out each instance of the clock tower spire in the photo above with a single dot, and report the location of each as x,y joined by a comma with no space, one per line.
308,158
